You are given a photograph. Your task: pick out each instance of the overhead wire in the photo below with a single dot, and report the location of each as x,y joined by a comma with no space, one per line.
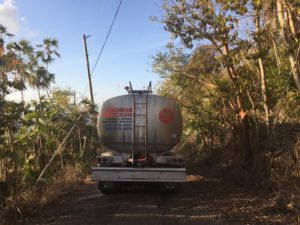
107,36
105,41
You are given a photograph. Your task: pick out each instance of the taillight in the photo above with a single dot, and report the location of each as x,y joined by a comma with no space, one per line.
174,160
180,160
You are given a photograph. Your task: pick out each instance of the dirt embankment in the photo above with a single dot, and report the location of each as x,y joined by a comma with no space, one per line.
202,200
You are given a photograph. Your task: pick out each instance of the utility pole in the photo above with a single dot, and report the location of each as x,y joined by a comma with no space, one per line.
74,96
88,70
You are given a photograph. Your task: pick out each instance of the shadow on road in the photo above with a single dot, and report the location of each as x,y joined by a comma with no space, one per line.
202,200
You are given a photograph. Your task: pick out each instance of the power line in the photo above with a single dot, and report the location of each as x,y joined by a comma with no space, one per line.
112,24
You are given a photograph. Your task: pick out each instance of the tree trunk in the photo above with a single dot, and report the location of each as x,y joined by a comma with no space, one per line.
47,92
264,95
61,160
295,69
13,150
2,164
243,117
39,94
22,96
211,141
291,23
286,34
74,99
80,144
278,61
204,142
281,19
255,115
263,79
245,137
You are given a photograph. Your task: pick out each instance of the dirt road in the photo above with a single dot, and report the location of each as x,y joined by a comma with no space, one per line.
202,200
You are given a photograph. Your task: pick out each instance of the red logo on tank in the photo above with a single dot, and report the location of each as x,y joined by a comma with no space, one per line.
165,116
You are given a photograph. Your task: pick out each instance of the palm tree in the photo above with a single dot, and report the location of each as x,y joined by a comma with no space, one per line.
40,78
3,65
22,51
48,49
3,33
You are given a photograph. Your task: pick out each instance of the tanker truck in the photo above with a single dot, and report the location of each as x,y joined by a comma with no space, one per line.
139,132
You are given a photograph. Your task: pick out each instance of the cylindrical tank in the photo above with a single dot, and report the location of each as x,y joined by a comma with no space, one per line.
140,121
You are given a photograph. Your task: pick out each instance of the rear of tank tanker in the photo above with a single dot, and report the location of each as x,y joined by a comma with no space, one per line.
138,131
163,121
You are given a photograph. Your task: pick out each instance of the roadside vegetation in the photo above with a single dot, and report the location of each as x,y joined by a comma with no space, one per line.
234,68
31,132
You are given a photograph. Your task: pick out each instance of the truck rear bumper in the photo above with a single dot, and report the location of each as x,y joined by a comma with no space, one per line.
127,174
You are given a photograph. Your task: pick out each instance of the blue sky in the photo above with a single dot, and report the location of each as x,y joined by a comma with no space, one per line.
127,55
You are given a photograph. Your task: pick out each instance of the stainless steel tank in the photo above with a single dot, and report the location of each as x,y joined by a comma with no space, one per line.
140,122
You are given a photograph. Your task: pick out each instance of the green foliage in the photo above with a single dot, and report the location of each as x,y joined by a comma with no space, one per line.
193,81
217,71
31,133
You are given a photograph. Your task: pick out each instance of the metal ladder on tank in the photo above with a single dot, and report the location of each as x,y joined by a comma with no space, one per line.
139,114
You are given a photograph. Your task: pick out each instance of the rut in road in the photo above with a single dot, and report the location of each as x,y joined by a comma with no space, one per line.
202,200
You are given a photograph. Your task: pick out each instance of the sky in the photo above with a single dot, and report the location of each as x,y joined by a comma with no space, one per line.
127,56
